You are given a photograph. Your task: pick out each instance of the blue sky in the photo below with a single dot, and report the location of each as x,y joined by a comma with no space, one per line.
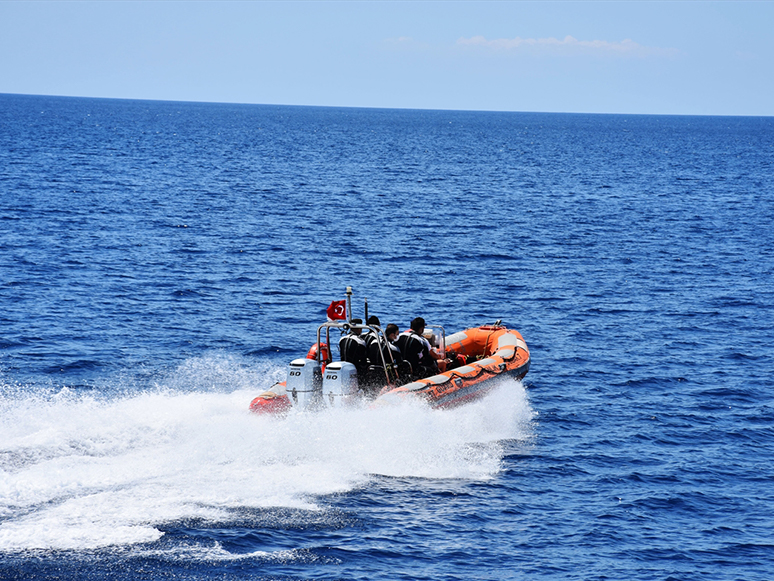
691,57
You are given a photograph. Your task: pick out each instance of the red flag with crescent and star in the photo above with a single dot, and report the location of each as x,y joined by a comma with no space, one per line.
337,310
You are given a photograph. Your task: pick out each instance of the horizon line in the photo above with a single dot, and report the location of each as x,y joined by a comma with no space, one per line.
381,108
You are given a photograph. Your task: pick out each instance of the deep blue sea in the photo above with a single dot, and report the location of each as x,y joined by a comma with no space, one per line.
162,262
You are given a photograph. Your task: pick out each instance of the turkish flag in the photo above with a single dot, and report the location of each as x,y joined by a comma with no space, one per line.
337,310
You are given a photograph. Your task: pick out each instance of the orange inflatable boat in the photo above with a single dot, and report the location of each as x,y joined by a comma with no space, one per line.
475,357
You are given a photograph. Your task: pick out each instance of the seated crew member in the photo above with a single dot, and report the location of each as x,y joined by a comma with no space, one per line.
352,348
371,338
391,332
389,349
416,350
401,367
381,353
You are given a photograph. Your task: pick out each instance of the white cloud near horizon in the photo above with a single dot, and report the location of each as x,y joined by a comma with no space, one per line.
567,45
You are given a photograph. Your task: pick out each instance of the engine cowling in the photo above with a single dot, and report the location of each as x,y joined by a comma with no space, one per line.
340,385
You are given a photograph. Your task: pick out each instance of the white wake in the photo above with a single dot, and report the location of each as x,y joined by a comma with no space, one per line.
84,472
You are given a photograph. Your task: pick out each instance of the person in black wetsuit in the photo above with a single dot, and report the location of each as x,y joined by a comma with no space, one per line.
389,349
371,340
391,333
378,346
416,350
352,348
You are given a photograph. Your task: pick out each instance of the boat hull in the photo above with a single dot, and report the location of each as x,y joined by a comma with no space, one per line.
271,403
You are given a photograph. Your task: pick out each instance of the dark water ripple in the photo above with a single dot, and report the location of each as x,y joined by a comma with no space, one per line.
188,250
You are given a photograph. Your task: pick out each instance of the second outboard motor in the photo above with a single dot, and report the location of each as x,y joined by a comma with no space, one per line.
304,383
339,384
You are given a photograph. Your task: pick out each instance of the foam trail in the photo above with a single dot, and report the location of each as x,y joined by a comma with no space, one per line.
82,473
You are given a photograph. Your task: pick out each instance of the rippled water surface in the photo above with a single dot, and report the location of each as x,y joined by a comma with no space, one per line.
160,263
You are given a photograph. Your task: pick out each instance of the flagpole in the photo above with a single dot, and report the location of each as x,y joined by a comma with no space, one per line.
349,305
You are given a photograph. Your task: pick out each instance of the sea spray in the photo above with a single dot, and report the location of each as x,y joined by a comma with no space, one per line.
80,472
